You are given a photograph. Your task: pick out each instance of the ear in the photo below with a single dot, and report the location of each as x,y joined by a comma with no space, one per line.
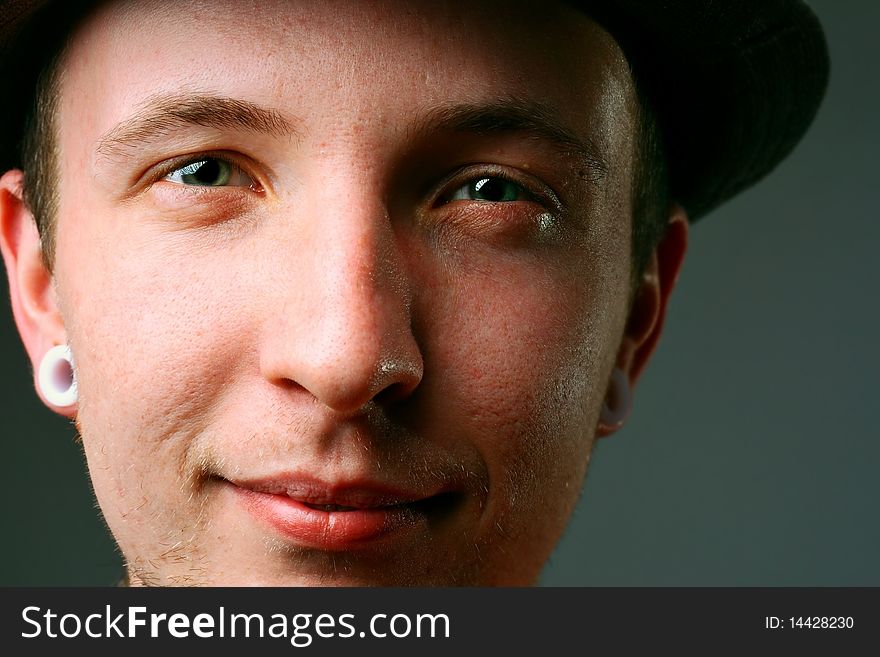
32,293
646,316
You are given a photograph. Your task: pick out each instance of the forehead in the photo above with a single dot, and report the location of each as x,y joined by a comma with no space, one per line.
376,60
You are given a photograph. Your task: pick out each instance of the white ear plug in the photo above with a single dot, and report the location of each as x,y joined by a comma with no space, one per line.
617,400
57,378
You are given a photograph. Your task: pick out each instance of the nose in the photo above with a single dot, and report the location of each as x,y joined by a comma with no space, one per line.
340,327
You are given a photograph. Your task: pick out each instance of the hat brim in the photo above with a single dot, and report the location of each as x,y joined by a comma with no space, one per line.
735,83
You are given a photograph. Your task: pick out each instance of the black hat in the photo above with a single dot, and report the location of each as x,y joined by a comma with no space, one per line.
735,83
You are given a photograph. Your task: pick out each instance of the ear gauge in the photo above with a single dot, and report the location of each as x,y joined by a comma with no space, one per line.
57,378
618,400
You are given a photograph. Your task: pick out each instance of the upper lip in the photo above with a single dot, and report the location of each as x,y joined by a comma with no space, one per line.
358,494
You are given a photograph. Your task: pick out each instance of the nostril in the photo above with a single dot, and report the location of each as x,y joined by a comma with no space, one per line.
393,394
396,378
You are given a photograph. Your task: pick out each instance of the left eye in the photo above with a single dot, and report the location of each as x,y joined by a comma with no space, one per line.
211,172
491,189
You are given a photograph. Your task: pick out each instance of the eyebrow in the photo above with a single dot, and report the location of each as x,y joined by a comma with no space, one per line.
517,116
161,115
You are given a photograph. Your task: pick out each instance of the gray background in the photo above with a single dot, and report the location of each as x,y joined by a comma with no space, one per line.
751,457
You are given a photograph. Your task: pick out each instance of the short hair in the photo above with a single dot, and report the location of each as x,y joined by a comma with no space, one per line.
650,197
39,156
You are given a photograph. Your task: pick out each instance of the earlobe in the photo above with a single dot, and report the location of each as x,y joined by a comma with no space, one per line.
31,291
646,317
618,401
56,378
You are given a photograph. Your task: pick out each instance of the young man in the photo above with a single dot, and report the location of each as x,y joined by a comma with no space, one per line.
350,289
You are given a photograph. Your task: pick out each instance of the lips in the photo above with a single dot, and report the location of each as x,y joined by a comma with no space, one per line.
330,507
343,516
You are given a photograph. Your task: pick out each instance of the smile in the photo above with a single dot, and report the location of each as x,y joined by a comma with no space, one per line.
352,516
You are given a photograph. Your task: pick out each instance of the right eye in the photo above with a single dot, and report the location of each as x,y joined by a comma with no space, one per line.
491,189
211,172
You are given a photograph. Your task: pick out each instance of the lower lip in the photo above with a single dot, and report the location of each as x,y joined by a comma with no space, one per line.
329,530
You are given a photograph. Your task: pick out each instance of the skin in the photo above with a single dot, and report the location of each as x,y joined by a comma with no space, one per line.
340,311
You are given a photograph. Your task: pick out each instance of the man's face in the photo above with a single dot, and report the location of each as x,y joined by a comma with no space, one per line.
343,298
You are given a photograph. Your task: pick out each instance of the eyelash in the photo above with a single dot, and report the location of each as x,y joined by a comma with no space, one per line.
180,163
532,190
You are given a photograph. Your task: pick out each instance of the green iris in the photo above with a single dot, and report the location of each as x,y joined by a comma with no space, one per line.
495,190
205,173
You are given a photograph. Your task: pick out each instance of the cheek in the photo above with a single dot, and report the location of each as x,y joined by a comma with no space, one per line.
521,352
150,330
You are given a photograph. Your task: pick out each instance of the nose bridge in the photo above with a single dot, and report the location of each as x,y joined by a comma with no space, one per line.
345,334
361,295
